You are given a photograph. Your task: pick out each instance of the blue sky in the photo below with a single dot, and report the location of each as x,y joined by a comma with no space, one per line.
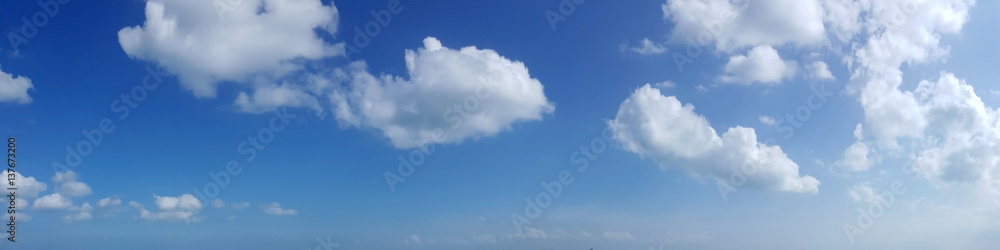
895,104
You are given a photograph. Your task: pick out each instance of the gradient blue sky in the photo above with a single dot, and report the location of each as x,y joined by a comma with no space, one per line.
653,194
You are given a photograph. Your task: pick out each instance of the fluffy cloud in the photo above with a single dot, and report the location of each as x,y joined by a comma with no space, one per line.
68,185
109,202
52,202
741,23
275,209
81,213
451,95
863,193
256,38
14,88
761,65
766,120
181,208
858,157
648,47
660,127
27,187
949,133
818,70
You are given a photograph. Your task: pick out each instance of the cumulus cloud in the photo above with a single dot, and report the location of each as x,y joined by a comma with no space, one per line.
67,184
109,202
949,134
858,157
14,88
819,70
275,209
738,24
766,120
648,47
761,65
52,202
27,187
450,96
863,193
257,38
80,213
661,128
181,208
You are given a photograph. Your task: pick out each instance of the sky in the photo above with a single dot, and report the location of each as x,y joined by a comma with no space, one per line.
555,124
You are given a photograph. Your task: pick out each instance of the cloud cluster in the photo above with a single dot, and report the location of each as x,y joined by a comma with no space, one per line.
14,88
178,208
257,38
264,46
661,128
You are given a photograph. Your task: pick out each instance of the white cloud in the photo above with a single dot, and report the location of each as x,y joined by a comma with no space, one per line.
612,235
181,208
664,85
52,202
242,205
733,25
761,65
648,47
858,157
660,127
82,213
766,120
68,185
701,88
275,209
218,203
995,93
109,202
14,88
27,187
863,193
465,93
188,39
819,70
